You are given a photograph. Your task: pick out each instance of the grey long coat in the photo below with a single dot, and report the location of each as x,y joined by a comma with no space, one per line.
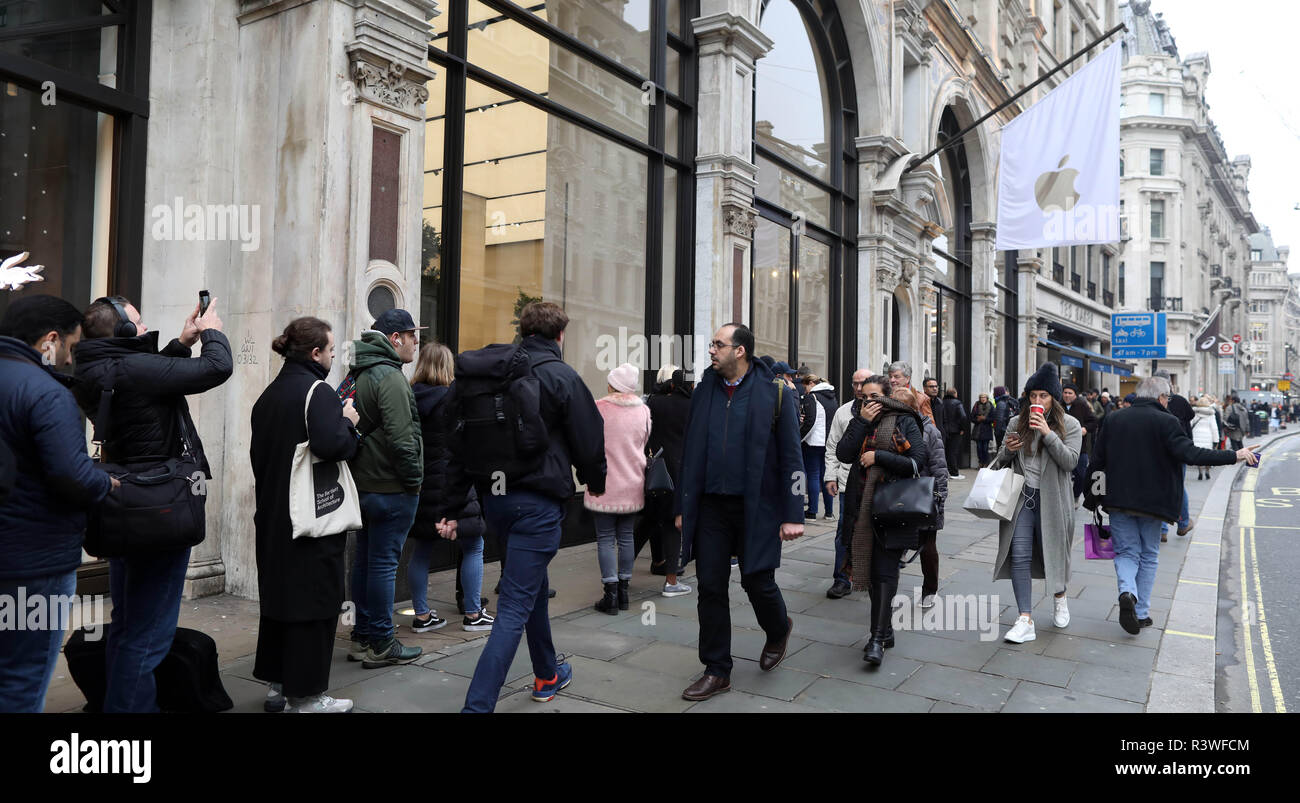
1056,495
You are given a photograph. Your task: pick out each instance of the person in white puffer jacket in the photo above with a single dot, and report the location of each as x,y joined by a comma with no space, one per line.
1205,430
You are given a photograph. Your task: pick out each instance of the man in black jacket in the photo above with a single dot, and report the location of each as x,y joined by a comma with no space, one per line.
1079,407
931,388
955,426
147,413
529,513
1140,456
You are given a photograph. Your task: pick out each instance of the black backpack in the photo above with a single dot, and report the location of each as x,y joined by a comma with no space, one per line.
188,680
494,412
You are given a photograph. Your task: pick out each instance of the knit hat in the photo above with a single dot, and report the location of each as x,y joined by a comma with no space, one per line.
623,378
1045,378
999,391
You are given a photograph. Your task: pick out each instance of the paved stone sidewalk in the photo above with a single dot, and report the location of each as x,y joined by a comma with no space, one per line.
641,660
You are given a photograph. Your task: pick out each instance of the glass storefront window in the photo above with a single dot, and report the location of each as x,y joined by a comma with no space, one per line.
793,110
550,211
789,190
950,331
814,277
89,53
771,290
56,175
524,57
619,29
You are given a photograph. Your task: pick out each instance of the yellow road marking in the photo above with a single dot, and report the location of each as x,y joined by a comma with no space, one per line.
1274,527
1198,582
1279,702
1216,518
1246,619
1192,635
1252,477
1203,543
1246,516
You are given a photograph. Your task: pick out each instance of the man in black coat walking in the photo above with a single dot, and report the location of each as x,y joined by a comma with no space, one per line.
147,414
1082,411
1137,475
741,493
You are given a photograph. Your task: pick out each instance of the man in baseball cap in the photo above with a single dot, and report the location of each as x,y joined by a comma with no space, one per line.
388,470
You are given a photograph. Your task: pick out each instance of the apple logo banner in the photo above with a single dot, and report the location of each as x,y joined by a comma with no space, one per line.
1058,165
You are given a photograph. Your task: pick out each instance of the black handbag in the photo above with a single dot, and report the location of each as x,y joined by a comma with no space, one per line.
904,502
657,478
160,503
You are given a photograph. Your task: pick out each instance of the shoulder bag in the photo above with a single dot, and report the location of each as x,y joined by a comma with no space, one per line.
904,502
323,498
160,503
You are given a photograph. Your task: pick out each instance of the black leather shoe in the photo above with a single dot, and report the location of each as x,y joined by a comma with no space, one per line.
706,687
1146,622
875,654
609,602
1128,613
839,590
773,653
888,642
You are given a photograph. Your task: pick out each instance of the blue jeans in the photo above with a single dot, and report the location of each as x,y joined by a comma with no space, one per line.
814,463
27,657
1026,539
841,550
529,523
386,519
615,550
1137,551
471,573
146,592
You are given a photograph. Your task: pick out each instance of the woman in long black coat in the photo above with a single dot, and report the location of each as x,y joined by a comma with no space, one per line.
670,406
299,580
883,441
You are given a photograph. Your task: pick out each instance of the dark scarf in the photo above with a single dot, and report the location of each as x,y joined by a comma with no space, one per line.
863,533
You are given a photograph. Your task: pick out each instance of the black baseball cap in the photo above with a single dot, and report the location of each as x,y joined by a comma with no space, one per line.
782,368
396,320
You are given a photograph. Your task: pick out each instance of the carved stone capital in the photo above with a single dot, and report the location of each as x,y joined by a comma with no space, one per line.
390,84
738,220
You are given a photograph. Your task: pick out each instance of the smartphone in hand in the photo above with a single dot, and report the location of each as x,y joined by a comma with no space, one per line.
205,298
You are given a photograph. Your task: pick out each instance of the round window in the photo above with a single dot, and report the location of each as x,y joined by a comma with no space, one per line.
380,300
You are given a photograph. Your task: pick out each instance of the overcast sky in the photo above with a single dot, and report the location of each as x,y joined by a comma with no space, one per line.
1252,95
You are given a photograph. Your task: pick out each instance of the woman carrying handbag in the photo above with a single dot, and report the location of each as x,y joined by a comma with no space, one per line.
299,579
883,440
1042,444
935,465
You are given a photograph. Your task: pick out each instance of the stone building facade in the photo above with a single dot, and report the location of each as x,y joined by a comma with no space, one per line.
1265,341
658,167
1185,205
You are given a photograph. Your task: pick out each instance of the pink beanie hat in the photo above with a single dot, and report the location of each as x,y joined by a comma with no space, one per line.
623,378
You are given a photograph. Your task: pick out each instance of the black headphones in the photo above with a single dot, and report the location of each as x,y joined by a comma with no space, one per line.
123,327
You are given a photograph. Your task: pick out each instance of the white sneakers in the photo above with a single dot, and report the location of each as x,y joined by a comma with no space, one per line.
1060,612
320,704
1021,631
928,601
676,590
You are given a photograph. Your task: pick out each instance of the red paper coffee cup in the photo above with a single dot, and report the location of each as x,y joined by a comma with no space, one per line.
1036,408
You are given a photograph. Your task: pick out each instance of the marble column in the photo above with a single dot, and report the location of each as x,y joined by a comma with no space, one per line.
283,99
728,42
1027,270
984,298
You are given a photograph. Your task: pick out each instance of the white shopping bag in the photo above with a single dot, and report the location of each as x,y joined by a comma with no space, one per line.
323,498
994,494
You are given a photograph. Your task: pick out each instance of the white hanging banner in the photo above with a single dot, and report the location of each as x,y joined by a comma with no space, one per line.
1058,174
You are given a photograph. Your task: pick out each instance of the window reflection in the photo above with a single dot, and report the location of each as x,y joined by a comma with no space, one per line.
792,115
554,212
814,305
771,289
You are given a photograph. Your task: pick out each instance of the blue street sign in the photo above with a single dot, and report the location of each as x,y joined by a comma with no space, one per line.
1075,361
1138,335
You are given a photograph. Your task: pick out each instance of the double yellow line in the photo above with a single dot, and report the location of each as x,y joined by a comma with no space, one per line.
1253,611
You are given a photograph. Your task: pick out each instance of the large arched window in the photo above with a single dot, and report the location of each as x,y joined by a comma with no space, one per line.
950,324
804,124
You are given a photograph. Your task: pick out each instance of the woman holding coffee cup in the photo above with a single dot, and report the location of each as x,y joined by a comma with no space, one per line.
1042,444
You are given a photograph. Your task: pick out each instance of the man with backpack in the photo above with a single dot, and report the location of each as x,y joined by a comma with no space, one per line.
144,417
518,418
1235,421
1005,407
388,470
43,513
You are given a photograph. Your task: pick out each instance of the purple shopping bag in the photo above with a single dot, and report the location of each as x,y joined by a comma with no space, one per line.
1096,541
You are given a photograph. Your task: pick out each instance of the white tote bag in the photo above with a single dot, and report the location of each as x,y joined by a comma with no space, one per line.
994,494
323,498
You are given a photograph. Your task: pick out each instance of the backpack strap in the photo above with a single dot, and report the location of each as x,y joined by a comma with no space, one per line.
780,394
103,423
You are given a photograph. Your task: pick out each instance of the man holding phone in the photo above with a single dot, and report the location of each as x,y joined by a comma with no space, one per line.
1137,475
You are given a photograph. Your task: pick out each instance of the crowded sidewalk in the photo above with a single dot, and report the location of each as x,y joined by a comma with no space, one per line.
642,658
